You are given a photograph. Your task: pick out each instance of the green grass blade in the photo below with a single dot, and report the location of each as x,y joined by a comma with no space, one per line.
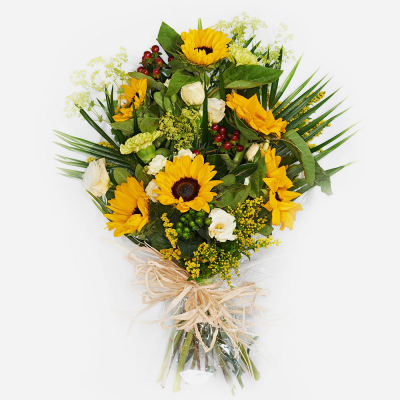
292,95
274,85
332,148
294,124
72,173
97,128
293,109
316,121
285,84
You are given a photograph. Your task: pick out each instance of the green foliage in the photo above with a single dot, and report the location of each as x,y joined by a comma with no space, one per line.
180,79
169,39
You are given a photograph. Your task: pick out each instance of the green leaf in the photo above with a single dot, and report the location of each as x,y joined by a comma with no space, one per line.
188,247
322,179
149,124
220,165
141,175
266,230
248,76
119,175
228,161
228,180
299,148
237,194
151,83
163,101
247,132
178,80
126,127
256,181
163,152
243,171
169,39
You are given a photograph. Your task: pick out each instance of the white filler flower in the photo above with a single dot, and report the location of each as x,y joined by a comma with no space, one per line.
184,152
193,94
157,164
96,179
222,225
149,191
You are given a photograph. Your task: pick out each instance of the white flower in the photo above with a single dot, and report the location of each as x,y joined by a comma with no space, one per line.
252,151
247,180
96,179
216,110
157,164
166,83
222,225
149,191
183,152
193,94
264,146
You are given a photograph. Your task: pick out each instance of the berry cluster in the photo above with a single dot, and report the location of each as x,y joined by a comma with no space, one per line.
152,63
221,135
191,222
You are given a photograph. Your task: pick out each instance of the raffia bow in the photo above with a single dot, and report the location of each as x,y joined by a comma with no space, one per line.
224,309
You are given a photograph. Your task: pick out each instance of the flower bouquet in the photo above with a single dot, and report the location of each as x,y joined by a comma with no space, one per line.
204,154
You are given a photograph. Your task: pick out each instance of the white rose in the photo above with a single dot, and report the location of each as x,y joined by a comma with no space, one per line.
182,153
216,110
252,151
157,164
193,94
96,179
222,225
166,83
149,191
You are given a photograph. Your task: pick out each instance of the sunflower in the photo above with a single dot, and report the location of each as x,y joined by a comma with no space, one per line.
130,208
133,94
186,183
280,198
205,46
255,115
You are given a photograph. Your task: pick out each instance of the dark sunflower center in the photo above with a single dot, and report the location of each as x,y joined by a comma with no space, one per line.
136,211
208,50
277,196
187,188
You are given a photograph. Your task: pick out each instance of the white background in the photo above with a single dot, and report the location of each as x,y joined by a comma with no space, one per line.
334,281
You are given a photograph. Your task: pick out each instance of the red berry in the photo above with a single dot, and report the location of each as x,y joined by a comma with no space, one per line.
236,132
156,71
170,58
196,152
155,49
145,71
140,69
218,138
222,129
215,127
143,58
227,145
234,138
223,135
239,148
147,55
158,61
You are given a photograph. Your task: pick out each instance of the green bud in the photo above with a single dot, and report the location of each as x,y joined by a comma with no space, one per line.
186,235
199,221
183,219
192,223
179,224
208,221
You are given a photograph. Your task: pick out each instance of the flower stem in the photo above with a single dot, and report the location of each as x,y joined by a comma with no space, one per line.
182,361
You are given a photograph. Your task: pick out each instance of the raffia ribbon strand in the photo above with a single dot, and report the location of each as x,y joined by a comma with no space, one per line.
211,304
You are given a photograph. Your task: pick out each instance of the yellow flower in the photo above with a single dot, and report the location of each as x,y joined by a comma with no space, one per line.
205,46
130,208
133,94
280,198
186,183
255,115
281,204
